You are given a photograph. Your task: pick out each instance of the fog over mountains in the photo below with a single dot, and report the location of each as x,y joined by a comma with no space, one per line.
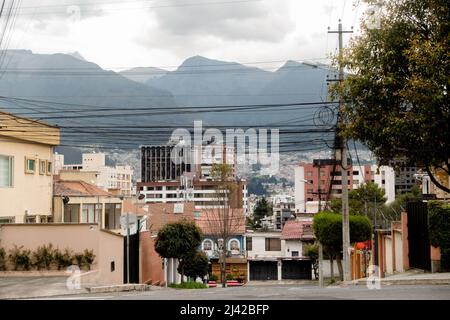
67,83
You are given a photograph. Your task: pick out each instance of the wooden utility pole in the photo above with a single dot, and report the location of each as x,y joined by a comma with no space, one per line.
344,167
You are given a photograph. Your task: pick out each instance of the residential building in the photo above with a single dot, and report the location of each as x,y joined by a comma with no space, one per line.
312,182
82,202
26,182
213,222
405,179
108,177
201,191
429,189
168,175
280,255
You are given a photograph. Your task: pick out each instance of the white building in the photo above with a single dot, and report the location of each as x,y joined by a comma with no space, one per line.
280,255
118,177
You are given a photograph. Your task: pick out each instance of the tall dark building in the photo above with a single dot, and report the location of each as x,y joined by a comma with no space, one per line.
157,163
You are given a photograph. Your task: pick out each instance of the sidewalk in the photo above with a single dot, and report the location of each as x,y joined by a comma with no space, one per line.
27,287
410,277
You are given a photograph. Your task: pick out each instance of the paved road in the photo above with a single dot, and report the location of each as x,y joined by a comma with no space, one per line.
282,292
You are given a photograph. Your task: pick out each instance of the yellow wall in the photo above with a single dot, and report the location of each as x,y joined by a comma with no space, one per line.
31,192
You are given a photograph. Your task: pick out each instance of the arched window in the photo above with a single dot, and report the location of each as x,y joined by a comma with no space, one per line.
207,245
234,245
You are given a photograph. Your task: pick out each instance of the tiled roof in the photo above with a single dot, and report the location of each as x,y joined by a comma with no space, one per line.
77,189
295,229
211,221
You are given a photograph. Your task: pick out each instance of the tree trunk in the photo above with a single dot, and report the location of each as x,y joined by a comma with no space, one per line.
339,264
223,268
331,267
182,270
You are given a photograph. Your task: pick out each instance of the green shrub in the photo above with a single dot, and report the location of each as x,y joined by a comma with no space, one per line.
188,285
63,259
328,229
20,258
439,230
43,257
2,259
88,258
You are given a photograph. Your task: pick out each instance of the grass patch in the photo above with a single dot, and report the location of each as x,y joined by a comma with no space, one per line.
188,285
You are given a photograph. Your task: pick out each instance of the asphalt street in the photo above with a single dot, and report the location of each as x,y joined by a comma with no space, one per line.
280,292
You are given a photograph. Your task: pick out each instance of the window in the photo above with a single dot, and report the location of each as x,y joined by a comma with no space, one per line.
249,243
309,174
234,245
90,213
42,167
112,215
30,165
294,253
5,220
207,245
49,168
30,219
273,244
113,266
6,171
71,213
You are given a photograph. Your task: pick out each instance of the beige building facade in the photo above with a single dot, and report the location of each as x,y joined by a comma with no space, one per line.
26,169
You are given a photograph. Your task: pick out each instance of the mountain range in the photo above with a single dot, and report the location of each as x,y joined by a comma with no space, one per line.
67,83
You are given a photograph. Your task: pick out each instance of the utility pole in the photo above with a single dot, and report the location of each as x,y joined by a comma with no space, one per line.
344,168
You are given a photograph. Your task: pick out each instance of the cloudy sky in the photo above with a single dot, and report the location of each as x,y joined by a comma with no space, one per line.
129,33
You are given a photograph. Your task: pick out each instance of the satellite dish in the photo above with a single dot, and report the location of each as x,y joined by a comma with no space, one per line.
141,196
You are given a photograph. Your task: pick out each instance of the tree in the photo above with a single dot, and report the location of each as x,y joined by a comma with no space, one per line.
195,265
367,199
328,231
178,240
312,252
223,221
262,209
396,92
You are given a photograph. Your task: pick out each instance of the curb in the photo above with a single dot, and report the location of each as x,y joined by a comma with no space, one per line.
388,282
119,288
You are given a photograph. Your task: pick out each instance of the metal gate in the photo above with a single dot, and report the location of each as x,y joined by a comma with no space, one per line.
263,270
418,240
134,259
296,269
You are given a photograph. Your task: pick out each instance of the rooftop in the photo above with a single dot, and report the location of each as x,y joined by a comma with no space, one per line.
77,188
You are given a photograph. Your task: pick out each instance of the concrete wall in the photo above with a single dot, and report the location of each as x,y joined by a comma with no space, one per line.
389,255
152,267
398,249
31,193
287,246
107,246
259,245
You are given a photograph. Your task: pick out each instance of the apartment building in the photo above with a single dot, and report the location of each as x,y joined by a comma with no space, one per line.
169,175
312,182
107,177
26,169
